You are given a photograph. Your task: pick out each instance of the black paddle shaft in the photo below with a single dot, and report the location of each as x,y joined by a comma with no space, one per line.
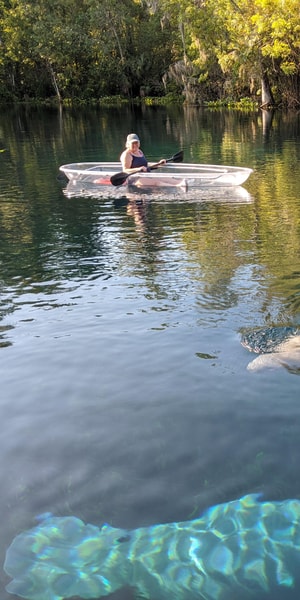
120,178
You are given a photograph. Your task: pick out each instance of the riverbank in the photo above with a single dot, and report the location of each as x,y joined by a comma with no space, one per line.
245,104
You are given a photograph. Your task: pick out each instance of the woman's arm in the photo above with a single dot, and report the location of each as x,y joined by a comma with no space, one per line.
161,162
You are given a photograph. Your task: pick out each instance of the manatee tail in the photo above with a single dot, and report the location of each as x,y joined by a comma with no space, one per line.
59,558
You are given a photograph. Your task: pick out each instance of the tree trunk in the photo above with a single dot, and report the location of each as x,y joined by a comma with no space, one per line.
267,99
54,81
118,44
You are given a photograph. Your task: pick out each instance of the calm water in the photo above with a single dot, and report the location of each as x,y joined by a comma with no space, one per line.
124,391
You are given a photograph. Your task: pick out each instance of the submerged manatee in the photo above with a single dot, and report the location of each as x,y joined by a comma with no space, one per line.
277,347
239,550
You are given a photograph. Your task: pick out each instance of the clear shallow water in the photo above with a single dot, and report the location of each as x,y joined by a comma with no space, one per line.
124,391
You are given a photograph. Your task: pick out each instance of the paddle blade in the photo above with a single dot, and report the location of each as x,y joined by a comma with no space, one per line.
118,178
178,157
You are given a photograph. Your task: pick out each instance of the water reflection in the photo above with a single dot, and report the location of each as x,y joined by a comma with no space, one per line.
236,194
267,120
3,341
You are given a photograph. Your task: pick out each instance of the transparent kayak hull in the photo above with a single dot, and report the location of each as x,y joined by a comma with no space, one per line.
185,175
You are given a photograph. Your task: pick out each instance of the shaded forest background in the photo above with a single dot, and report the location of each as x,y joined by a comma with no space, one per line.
192,51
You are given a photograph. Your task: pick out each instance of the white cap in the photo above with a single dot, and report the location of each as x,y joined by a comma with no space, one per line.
132,137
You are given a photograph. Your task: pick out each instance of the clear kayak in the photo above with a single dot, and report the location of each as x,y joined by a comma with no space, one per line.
123,195
183,175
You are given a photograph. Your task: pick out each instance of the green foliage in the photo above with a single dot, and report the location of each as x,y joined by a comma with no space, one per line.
164,100
202,50
246,104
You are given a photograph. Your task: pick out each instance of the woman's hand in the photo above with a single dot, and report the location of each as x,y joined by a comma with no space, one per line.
142,170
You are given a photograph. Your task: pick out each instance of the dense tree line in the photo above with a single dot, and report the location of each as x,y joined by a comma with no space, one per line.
197,50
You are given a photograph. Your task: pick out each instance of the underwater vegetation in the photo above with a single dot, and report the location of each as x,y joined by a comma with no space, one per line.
277,347
236,551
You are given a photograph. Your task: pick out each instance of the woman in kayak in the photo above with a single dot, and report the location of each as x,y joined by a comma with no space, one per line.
133,159
134,162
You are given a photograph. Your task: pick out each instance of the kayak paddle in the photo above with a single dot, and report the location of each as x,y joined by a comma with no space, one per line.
120,178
